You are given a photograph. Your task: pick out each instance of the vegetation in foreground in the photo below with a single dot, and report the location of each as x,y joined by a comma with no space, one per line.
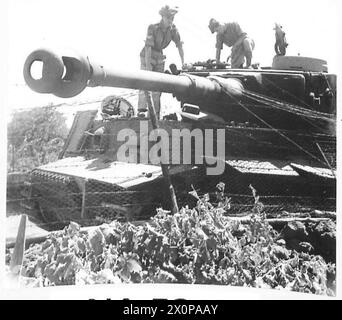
195,246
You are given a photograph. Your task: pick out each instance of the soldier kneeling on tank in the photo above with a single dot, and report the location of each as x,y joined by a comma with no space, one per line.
232,35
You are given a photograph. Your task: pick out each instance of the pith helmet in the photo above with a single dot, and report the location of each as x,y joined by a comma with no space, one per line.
213,24
168,11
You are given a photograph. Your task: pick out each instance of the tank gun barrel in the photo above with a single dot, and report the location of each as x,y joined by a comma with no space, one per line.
68,75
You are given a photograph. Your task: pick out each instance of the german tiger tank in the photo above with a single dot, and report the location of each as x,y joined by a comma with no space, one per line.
278,127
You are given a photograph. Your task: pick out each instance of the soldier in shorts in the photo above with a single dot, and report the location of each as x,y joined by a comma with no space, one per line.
159,36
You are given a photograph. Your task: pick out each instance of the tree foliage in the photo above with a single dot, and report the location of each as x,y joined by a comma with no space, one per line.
35,137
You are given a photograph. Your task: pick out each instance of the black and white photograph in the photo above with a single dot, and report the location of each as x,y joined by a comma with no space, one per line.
166,148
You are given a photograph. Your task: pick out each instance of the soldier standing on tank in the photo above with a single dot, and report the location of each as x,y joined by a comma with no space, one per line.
281,43
232,35
159,36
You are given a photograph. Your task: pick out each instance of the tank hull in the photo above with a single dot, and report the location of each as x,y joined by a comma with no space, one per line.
93,188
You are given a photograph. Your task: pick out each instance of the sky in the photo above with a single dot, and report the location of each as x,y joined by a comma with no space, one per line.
113,32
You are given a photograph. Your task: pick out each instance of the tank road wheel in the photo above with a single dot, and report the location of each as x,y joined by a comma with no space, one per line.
58,214
48,215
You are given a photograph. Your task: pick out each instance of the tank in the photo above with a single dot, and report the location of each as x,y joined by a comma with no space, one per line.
278,125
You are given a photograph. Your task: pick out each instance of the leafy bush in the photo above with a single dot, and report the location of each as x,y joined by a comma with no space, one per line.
195,246
35,137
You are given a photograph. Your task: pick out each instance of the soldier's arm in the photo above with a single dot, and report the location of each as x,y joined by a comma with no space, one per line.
175,36
218,55
248,52
181,53
219,46
148,47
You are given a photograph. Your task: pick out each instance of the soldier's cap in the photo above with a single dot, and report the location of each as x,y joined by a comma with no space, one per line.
213,24
168,11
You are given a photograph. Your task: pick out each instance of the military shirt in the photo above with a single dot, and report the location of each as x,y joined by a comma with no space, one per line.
158,37
228,34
